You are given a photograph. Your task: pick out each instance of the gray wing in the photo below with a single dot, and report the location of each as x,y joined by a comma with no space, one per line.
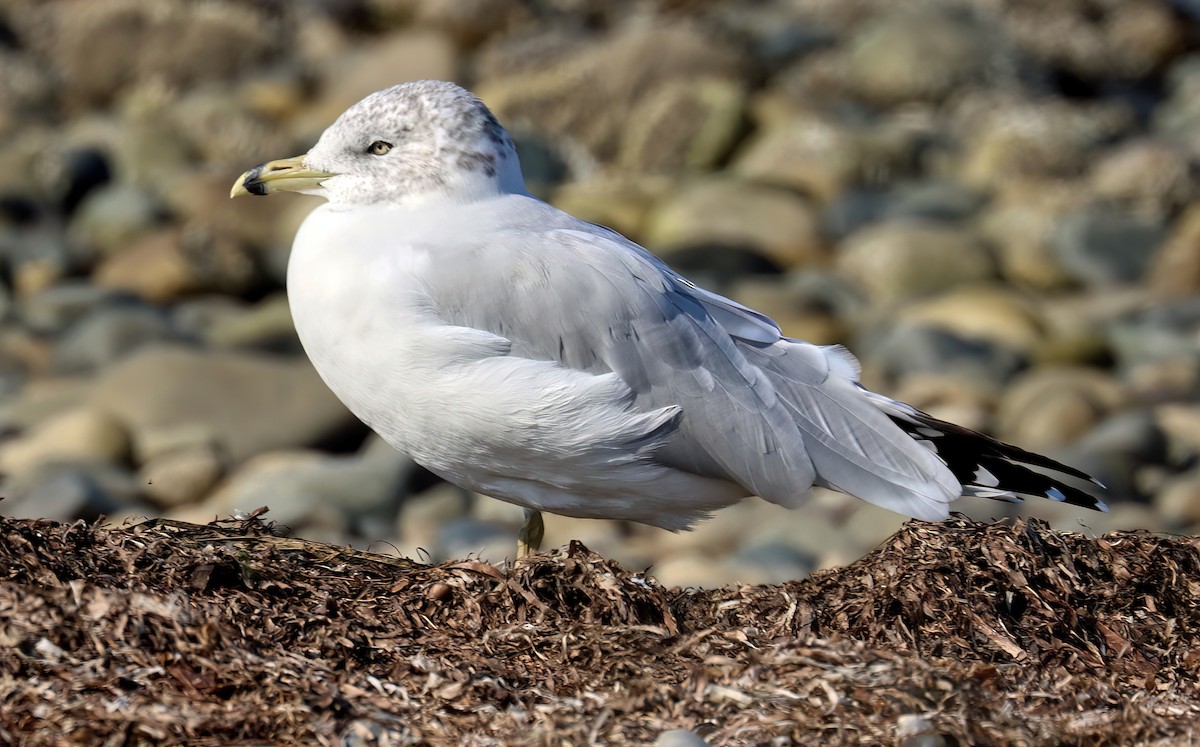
757,408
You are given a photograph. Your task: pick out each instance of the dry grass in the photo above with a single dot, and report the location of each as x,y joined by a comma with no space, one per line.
226,634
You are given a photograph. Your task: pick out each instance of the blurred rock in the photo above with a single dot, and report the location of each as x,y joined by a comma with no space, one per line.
167,265
1149,178
243,403
923,54
1179,501
1175,268
1165,331
984,312
612,95
1021,224
779,224
55,308
622,204
679,738
422,515
83,434
111,217
304,487
109,333
1117,449
1055,406
417,54
1181,424
822,157
903,350
265,326
896,260
1106,248
69,492
100,46
472,538
182,476
770,563
1006,136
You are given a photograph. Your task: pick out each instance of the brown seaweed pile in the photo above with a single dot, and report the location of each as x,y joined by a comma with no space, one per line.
224,634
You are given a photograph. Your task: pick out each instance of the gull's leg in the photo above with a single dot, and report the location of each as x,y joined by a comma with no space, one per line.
529,541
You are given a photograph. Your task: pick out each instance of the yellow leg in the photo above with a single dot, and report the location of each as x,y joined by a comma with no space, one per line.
529,541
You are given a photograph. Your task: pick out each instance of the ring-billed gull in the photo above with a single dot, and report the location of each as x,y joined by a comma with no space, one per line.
522,353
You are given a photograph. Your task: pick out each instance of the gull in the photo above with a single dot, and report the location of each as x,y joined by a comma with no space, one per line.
522,353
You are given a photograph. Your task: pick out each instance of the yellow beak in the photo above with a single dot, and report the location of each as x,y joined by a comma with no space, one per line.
288,175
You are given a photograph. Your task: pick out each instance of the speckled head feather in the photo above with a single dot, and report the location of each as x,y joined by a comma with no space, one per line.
441,142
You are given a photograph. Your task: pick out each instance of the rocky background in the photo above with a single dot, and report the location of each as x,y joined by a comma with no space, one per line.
994,203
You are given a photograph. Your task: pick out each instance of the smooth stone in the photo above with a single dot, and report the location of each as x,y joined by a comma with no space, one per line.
623,204
991,313
770,563
182,476
266,326
661,96
1102,249
167,265
679,738
780,225
1020,224
404,55
69,492
902,350
1178,502
468,537
55,308
1151,178
300,485
689,126
111,217
694,570
1175,269
1180,422
811,154
922,55
42,399
102,48
110,333
422,515
897,260
1163,331
82,434
1008,136
243,403
1052,406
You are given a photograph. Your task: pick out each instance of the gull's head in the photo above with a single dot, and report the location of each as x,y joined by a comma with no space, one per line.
422,142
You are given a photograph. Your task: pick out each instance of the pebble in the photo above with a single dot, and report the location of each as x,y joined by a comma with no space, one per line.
109,333
111,217
82,434
780,225
243,403
897,260
1107,248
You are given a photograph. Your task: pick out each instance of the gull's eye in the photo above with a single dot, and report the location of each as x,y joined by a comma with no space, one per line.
379,148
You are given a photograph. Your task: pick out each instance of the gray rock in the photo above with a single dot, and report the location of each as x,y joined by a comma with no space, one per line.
69,492
113,216
243,403
896,260
1117,448
680,738
907,349
53,309
109,333
1179,500
771,563
84,434
1160,333
780,225
1150,178
1052,406
660,96
304,488
923,55
181,476
1107,249
470,537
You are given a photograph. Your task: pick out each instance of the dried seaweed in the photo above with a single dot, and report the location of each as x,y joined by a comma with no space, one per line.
228,634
